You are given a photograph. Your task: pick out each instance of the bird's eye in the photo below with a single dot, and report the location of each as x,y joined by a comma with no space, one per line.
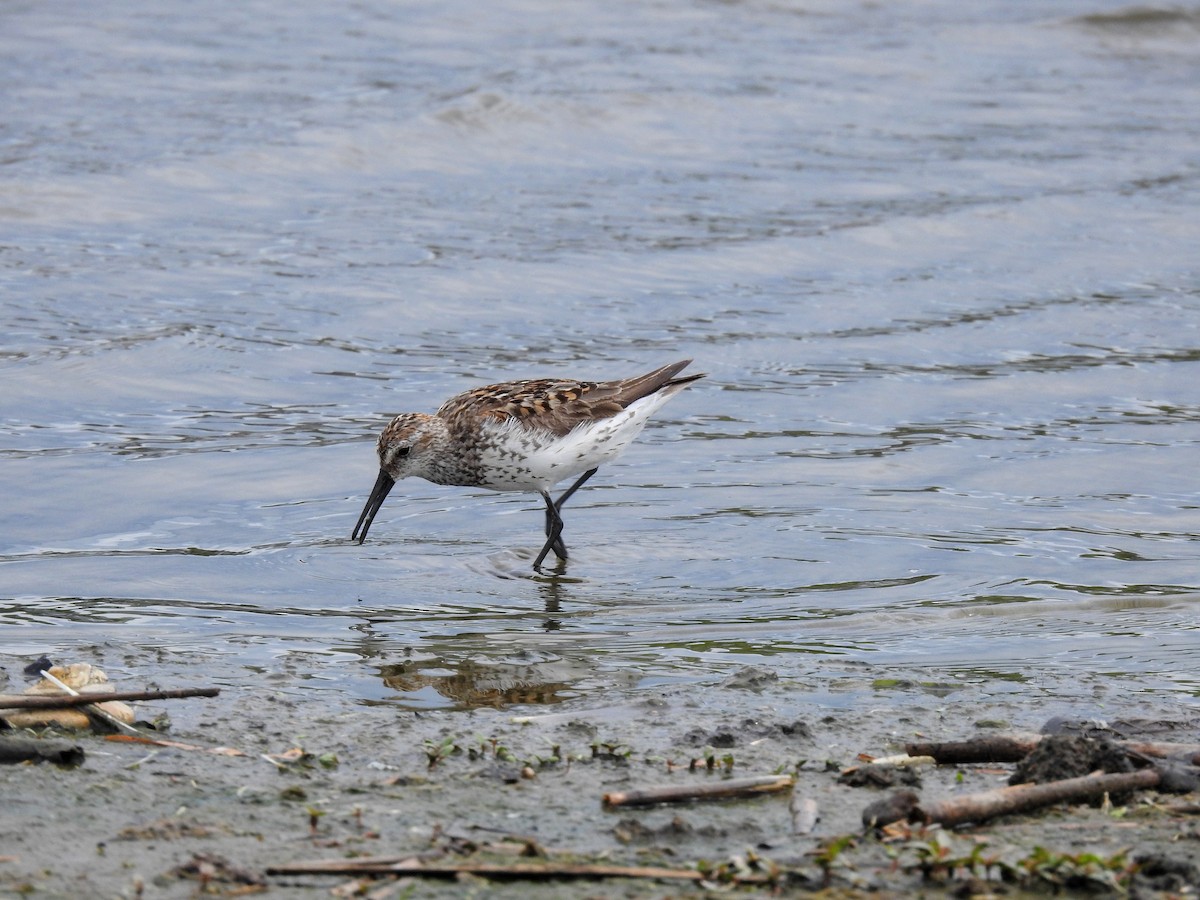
402,452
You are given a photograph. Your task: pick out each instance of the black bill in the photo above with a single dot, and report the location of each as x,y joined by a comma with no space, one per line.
383,484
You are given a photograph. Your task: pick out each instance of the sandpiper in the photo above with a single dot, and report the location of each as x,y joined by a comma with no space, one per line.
522,436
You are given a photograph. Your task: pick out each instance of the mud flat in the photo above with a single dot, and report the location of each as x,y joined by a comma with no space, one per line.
277,776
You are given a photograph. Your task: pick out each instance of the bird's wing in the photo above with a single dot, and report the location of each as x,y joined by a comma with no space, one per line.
559,406
553,405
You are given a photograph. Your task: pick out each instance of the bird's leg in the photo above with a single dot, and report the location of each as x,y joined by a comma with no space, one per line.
554,527
573,488
558,547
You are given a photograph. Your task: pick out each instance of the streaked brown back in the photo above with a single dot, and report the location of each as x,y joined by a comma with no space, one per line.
557,405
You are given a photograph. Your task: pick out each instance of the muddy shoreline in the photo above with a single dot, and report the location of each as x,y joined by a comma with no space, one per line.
322,778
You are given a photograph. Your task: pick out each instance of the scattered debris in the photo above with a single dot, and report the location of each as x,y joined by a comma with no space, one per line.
632,831
76,679
208,868
910,840
1049,774
78,697
165,830
875,776
173,745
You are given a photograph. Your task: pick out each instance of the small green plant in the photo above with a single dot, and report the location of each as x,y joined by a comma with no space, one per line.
942,856
1078,870
712,762
612,750
328,760
553,759
436,751
747,867
314,818
826,855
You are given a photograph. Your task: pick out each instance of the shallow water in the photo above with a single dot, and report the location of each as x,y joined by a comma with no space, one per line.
938,261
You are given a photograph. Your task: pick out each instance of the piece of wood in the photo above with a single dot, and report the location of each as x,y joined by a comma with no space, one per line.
1015,747
358,865
1025,797
804,812
410,866
58,701
1165,750
991,748
685,793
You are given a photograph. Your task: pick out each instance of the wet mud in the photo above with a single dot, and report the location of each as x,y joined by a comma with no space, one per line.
268,779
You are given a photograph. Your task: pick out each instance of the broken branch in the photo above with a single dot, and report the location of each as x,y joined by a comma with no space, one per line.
491,870
57,701
804,812
683,793
1021,798
1014,747
993,748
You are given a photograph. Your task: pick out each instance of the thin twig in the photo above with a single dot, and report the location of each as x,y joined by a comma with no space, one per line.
174,745
491,870
683,793
1014,747
60,701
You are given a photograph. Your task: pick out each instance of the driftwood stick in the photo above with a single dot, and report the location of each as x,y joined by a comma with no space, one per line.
492,870
1163,750
360,865
1014,747
683,793
58,701
804,812
1025,797
992,748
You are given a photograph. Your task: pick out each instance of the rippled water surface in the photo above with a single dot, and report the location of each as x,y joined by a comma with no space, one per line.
939,260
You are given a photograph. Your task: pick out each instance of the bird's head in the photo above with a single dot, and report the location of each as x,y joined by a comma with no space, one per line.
408,446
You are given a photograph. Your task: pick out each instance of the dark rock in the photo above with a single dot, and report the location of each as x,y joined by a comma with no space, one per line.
722,740
751,677
896,808
1072,756
1157,874
881,777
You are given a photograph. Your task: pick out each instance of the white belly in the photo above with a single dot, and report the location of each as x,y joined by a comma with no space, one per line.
518,458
